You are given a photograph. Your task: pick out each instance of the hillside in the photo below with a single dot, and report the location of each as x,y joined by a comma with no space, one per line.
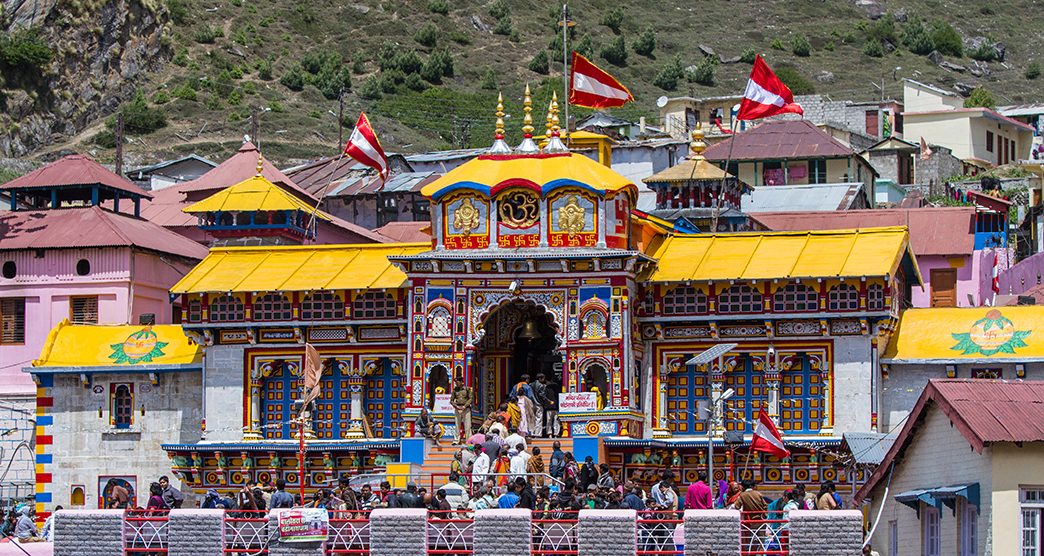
426,71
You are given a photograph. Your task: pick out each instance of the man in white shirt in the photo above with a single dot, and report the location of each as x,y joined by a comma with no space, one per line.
518,464
514,439
480,468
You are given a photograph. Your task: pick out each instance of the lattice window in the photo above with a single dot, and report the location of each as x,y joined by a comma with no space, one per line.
801,400
12,316
122,400
795,298
594,325
740,298
272,306
440,323
374,305
227,308
84,309
685,300
843,297
875,299
195,311
324,305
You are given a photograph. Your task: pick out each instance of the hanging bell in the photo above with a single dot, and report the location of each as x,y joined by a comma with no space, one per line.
529,331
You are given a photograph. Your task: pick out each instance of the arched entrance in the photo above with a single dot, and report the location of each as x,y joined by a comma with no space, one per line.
520,338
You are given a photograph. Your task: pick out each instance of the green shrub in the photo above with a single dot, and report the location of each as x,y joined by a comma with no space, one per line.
208,34
414,82
748,56
139,117
438,7
24,50
980,97
540,63
947,40
390,81
315,114
407,62
181,57
178,11
1032,70
105,139
358,63
613,19
703,73
264,69
235,98
795,81
441,60
184,92
371,89
829,46
332,79
489,80
646,42
669,76
499,9
276,107
293,79
585,46
873,49
883,30
213,102
800,46
503,27
428,35
460,37
985,52
916,37
161,97
616,52
249,88
777,45
386,56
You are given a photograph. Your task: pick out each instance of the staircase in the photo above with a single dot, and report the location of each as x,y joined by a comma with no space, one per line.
437,463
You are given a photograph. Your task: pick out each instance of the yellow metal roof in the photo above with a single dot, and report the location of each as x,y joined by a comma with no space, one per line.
763,256
693,168
298,268
252,195
488,174
83,345
961,335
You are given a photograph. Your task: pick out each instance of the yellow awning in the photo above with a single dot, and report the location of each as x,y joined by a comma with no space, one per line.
82,345
488,174
252,195
298,268
969,334
764,256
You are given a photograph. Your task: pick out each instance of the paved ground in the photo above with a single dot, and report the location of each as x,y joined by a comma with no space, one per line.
8,548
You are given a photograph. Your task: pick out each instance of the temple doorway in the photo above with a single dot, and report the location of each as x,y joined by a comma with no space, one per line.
520,339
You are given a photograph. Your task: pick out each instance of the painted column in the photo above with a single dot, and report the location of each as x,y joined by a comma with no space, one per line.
355,388
772,382
661,428
494,228
545,221
253,431
717,387
601,222
436,225
828,397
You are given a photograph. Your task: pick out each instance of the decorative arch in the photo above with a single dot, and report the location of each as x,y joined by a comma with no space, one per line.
594,319
440,319
484,304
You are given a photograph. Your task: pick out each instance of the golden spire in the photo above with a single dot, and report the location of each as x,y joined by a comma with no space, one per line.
527,120
554,140
697,145
554,113
550,114
499,134
259,162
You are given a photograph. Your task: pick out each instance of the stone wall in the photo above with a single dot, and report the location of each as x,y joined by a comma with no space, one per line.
820,533
712,532
608,533
97,532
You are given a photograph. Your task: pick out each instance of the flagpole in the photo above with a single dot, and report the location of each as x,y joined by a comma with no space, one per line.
565,66
326,187
721,189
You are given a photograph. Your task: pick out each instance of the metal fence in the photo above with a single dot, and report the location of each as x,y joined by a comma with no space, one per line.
764,534
659,535
450,533
555,533
144,532
246,532
349,533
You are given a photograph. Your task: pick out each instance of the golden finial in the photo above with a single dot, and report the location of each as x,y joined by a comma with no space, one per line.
554,113
527,120
259,162
697,145
554,141
550,114
500,117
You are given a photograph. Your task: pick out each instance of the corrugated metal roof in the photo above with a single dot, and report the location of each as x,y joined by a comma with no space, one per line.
239,167
760,256
413,232
75,169
438,156
779,140
90,227
933,231
868,448
1022,110
815,197
168,163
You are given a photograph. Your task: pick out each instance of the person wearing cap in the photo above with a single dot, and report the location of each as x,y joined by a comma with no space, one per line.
462,398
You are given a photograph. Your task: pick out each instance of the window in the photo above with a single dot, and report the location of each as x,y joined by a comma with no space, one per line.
272,306
594,325
893,538
989,141
969,524
1032,501
323,305
439,323
795,298
121,398
929,531
83,267
817,171
740,298
84,310
227,308
195,311
373,305
843,297
875,298
12,314
10,269
685,300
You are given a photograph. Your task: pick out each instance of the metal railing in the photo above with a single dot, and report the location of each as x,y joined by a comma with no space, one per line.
555,533
246,532
764,534
658,533
450,534
144,532
349,533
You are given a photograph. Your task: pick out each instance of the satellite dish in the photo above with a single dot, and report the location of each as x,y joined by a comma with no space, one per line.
661,102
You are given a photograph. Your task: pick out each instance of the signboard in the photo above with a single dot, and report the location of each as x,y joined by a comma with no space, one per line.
303,525
442,404
572,402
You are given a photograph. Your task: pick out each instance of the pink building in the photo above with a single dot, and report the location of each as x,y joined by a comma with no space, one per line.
64,257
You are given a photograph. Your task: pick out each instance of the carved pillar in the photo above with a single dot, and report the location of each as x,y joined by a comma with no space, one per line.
494,227
772,370
828,399
717,387
253,429
545,221
661,428
356,385
600,205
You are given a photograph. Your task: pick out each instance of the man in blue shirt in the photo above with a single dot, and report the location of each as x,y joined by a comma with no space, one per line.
632,500
281,498
509,499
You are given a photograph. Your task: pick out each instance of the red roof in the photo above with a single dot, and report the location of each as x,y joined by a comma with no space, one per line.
75,169
90,227
406,232
237,168
933,231
984,411
778,140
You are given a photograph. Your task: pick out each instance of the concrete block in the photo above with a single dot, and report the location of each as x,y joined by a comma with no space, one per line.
503,532
193,531
96,532
818,533
403,532
712,531
608,533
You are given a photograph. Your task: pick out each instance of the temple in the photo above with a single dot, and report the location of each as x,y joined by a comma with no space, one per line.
538,263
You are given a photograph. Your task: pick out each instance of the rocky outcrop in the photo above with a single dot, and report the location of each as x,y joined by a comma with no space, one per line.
100,50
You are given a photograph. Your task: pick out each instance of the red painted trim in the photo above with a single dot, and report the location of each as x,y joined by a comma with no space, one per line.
515,182
43,478
44,440
45,402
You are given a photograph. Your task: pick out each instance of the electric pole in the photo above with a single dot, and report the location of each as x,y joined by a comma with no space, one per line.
119,143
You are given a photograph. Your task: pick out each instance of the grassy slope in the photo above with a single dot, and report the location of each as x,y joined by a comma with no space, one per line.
301,126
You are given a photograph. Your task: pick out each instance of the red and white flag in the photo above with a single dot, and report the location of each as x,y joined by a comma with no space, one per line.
364,147
592,87
766,95
926,151
767,437
312,374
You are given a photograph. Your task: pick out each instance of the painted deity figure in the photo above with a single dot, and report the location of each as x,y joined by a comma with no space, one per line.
466,217
571,216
